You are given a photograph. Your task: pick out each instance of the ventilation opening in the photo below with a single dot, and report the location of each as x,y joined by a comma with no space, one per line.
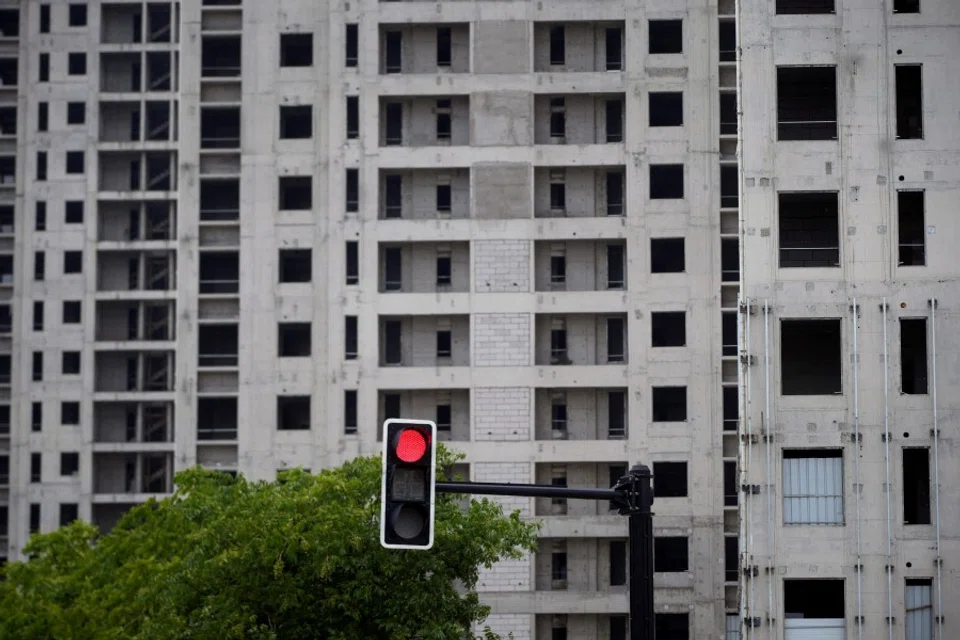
809,230
911,228
807,103
909,88
913,355
916,486
811,361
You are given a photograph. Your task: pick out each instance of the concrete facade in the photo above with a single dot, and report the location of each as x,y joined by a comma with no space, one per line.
527,219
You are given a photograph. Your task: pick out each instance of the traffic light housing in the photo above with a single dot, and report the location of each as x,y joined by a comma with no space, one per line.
408,484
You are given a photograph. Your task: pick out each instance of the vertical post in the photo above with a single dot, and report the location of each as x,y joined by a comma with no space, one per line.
641,554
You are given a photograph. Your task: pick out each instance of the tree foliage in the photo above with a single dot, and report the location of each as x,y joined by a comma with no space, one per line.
225,558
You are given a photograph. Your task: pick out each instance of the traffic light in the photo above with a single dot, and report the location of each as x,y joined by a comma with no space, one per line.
407,484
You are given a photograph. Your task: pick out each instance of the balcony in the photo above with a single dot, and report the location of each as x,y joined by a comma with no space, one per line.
579,119
578,47
132,473
424,341
420,48
136,271
133,371
131,321
581,414
580,265
133,422
133,221
449,408
424,267
425,194
129,72
132,171
420,121
124,24
126,122
581,339
579,192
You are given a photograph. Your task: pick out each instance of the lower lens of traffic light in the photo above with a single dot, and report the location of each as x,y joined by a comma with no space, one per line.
408,520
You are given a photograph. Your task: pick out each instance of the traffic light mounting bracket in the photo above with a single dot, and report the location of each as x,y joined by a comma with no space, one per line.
633,495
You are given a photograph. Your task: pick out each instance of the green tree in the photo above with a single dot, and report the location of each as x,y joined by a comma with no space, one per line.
225,558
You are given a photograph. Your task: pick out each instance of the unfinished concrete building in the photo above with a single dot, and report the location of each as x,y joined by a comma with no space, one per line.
849,319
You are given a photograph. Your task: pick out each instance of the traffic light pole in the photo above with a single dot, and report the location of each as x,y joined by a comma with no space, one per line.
633,495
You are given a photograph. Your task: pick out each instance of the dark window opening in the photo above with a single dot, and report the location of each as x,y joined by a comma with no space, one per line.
34,526
731,559
393,342
730,485
728,41
296,49
729,187
666,181
296,123
669,479
296,193
353,117
668,329
39,266
69,463
43,116
41,166
618,563
913,356
731,409
393,51
558,45
444,417
558,416
558,347
558,565
614,109
804,7
296,265
558,270
666,109
916,486
71,312
667,255
444,197
36,467
353,190
815,599
293,413
70,363
906,6
909,90
613,49
69,512
671,554
352,41
444,343
72,261
391,406
558,196
36,416
75,162
76,112
444,47
809,230
217,419
45,18
558,118
351,337
76,64
393,126
807,103
43,72
614,181
69,413
669,404
728,113
730,259
40,217
616,275
666,36
393,196
350,411
911,228
616,340
73,212
728,331
294,340
444,119
392,269
811,359
353,262
78,15
444,270
675,626
38,315
616,414
614,473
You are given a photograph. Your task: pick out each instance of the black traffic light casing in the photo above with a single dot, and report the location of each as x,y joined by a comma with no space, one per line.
408,484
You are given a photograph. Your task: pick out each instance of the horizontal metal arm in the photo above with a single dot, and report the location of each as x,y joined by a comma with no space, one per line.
529,490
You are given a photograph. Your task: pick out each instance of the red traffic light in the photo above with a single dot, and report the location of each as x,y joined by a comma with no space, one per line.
411,445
